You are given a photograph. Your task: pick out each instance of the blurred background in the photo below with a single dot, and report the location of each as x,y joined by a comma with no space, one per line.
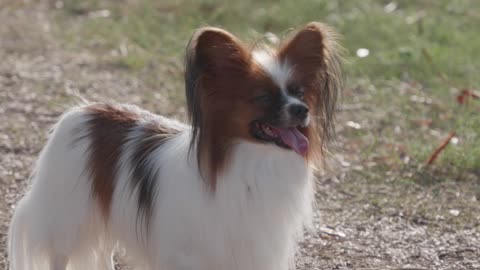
403,188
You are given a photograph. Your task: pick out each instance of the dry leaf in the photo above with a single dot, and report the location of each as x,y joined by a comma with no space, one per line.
466,95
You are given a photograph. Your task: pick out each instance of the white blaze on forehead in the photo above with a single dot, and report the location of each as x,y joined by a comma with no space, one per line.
279,72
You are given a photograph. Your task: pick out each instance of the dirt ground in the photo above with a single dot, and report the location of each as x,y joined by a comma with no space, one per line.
360,224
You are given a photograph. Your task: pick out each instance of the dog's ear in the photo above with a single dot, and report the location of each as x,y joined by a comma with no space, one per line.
213,56
314,55
213,52
214,60
307,51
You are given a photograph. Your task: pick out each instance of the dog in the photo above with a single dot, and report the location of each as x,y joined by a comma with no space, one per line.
233,189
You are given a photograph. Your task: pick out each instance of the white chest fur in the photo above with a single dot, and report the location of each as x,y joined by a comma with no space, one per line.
251,221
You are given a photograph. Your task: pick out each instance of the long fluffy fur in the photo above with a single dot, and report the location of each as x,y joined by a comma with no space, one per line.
252,221
117,177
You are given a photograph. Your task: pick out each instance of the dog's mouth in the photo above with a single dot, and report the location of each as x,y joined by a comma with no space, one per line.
286,137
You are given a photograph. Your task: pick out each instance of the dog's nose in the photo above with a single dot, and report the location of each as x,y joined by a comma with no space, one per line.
299,111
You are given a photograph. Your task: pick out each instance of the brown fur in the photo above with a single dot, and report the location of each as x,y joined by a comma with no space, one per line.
222,78
221,81
154,135
108,128
313,53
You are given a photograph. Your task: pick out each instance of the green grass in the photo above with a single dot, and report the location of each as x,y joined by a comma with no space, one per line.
422,50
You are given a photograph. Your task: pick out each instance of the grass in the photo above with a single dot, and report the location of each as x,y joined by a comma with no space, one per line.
422,54
398,106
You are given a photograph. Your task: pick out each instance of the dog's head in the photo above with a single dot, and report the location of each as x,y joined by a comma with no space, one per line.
281,96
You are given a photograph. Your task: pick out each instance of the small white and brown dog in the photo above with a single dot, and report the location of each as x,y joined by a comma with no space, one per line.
232,190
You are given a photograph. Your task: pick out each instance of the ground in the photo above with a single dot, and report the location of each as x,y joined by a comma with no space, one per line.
379,206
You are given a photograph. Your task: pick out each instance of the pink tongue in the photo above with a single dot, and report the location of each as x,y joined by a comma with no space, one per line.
294,138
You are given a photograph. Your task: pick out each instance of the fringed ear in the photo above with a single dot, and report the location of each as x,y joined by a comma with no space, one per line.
213,55
216,52
314,55
214,58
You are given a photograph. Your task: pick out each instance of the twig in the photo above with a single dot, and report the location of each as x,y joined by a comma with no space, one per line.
444,144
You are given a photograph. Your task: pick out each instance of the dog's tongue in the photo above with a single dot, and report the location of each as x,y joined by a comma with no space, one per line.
294,138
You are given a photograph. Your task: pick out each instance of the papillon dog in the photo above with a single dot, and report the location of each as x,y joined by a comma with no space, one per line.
232,190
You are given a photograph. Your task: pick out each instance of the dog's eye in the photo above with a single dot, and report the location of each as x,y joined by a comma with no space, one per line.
296,91
264,99
299,94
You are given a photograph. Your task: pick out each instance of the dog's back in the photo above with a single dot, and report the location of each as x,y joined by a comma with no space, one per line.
65,214
153,201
